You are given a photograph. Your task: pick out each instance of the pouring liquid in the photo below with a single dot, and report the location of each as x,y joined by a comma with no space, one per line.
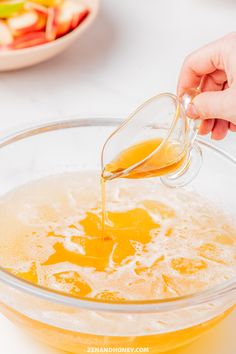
149,158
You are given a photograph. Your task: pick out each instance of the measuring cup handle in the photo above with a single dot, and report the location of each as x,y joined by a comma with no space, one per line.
193,161
194,124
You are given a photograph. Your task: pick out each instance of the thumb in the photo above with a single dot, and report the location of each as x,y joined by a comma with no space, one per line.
214,104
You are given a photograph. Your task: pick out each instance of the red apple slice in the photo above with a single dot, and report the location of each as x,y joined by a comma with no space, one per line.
78,18
64,18
29,40
26,23
70,14
6,37
51,30
42,21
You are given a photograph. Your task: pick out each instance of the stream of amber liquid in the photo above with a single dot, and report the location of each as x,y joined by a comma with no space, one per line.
149,158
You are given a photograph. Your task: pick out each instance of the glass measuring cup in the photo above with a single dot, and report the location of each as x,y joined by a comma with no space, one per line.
162,117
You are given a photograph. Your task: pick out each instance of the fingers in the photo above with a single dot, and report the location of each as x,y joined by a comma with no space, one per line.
201,62
212,69
226,86
220,129
206,126
232,127
220,104
219,55
211,82
215,81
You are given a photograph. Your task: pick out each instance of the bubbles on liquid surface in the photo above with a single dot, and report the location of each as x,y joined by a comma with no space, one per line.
158,242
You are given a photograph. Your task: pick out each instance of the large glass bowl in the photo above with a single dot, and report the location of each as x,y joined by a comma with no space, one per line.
74,324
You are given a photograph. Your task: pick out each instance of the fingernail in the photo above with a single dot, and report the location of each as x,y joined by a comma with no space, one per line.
191,111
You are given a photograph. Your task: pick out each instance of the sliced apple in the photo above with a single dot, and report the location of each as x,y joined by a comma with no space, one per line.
51,30
6,37
79,17
25,23
64,18
29,40
40,9
10,7
70,15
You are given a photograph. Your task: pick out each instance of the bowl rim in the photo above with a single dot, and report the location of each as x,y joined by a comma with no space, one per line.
135,306
79,29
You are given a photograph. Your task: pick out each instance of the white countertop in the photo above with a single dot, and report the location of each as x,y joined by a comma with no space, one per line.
133,50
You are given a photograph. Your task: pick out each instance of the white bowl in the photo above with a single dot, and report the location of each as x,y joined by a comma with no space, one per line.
20,58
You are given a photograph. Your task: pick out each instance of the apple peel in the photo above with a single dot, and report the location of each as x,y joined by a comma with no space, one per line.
29,40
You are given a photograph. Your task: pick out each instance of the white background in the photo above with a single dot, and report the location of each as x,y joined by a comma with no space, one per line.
134,50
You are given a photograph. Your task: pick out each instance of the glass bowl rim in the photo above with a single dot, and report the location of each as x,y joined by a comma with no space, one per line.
144,306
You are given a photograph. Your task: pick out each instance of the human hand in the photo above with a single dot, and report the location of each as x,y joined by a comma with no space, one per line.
212,69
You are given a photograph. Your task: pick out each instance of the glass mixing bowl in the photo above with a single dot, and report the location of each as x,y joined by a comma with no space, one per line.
74,324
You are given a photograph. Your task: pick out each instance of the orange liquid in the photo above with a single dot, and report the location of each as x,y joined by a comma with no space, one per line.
168,158
78,343
155,246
